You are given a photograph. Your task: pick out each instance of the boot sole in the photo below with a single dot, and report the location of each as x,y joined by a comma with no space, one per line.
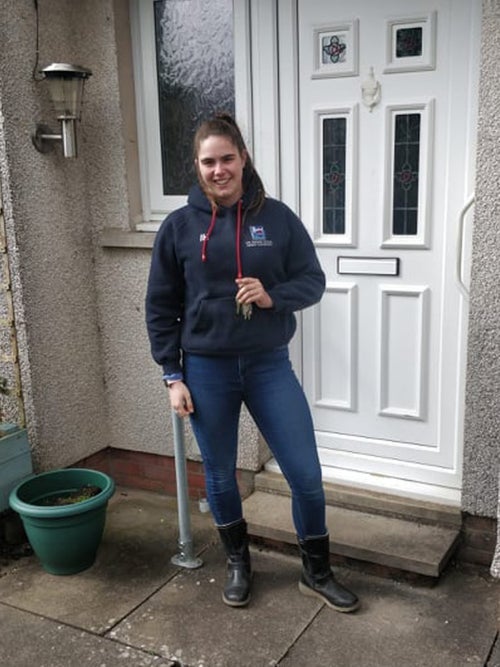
309,592
234,603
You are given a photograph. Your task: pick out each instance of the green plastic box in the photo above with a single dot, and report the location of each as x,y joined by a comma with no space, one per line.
15,460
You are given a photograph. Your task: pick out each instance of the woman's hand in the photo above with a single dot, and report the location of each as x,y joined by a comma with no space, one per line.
180,399
251,290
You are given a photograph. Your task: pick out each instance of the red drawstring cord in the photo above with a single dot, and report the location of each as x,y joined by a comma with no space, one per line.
238,241
207,235
238,238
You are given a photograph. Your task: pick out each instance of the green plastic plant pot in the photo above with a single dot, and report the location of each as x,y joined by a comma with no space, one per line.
65,538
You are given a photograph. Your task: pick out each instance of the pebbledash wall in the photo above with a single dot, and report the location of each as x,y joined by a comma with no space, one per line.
481,489
90,388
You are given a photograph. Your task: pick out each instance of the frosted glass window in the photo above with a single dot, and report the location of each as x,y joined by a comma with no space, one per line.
334,175
195,63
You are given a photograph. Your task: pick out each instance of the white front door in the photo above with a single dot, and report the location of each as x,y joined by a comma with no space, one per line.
386,122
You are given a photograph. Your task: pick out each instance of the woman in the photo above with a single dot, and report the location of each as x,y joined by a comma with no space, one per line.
228,271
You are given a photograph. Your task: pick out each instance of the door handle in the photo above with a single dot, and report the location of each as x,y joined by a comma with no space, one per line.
460,244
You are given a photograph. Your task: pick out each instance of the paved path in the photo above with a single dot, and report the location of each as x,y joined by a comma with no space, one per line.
135,608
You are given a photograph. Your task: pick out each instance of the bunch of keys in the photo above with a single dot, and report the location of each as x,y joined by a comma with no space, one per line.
244,309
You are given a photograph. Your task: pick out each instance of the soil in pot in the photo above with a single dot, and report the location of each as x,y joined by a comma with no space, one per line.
69,498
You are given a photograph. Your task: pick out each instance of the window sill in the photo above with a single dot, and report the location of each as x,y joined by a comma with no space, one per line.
119,238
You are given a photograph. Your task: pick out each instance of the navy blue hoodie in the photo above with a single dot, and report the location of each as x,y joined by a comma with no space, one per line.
190,303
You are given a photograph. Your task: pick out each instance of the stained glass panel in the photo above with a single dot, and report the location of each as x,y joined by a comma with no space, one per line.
406,174
333,49
195,63
408,42
334,175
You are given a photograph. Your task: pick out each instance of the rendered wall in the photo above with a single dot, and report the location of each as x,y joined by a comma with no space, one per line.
49,233
482,417
139,412
87,376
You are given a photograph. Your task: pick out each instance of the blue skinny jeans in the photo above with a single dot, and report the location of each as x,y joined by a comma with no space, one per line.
267,385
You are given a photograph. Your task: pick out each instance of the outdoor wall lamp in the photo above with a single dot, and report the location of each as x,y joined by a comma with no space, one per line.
66,84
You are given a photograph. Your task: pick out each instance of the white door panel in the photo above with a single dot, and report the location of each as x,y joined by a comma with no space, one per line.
381,190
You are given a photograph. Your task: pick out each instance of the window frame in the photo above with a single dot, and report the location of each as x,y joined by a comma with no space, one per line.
156,205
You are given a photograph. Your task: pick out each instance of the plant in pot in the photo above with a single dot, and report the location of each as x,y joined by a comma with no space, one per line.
64,513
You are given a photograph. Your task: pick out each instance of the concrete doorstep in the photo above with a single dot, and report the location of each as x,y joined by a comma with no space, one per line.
398,544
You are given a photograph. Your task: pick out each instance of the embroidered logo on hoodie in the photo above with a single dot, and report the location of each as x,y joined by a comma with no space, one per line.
258,237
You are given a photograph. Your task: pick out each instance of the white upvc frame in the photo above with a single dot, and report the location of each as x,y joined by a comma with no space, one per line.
155,205
263,61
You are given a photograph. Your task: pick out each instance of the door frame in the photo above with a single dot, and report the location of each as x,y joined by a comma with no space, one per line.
274,86
277,156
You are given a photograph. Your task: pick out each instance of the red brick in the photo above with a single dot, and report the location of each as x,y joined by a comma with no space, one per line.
154,472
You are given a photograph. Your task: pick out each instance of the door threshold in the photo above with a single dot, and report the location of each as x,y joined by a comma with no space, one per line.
390,486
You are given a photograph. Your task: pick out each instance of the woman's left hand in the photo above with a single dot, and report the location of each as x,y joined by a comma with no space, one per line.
251,290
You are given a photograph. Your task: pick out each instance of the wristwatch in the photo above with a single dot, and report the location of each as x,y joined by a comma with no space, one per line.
170,383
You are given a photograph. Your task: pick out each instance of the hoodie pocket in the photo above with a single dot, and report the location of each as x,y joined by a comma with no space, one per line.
217,327
213,313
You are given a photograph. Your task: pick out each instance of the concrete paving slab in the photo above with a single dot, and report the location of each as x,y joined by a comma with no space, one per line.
133,562
188,621
392,542
450,625
32,641
494,660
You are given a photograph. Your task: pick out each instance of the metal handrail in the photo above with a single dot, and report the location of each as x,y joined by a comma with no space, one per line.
460,243
185,557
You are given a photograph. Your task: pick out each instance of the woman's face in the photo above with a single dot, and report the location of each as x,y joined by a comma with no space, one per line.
220,167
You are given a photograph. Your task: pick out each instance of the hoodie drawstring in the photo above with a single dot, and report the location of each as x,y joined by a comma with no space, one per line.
238,241
207,235
238,238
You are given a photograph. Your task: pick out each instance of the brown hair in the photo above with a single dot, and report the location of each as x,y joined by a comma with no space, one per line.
224,125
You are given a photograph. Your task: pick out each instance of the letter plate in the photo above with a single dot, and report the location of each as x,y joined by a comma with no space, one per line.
370,266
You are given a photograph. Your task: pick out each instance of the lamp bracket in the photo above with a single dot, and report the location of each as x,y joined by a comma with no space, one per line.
43,138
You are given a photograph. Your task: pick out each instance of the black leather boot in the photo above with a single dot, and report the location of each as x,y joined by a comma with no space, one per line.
239,573
317,578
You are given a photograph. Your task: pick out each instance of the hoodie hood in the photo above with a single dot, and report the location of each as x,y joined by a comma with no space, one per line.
199,200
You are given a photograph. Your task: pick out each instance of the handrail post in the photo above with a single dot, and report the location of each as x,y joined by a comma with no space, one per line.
185,557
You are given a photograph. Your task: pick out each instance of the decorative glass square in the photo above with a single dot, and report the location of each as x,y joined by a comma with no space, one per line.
335,51
408,42
195,63
334,175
